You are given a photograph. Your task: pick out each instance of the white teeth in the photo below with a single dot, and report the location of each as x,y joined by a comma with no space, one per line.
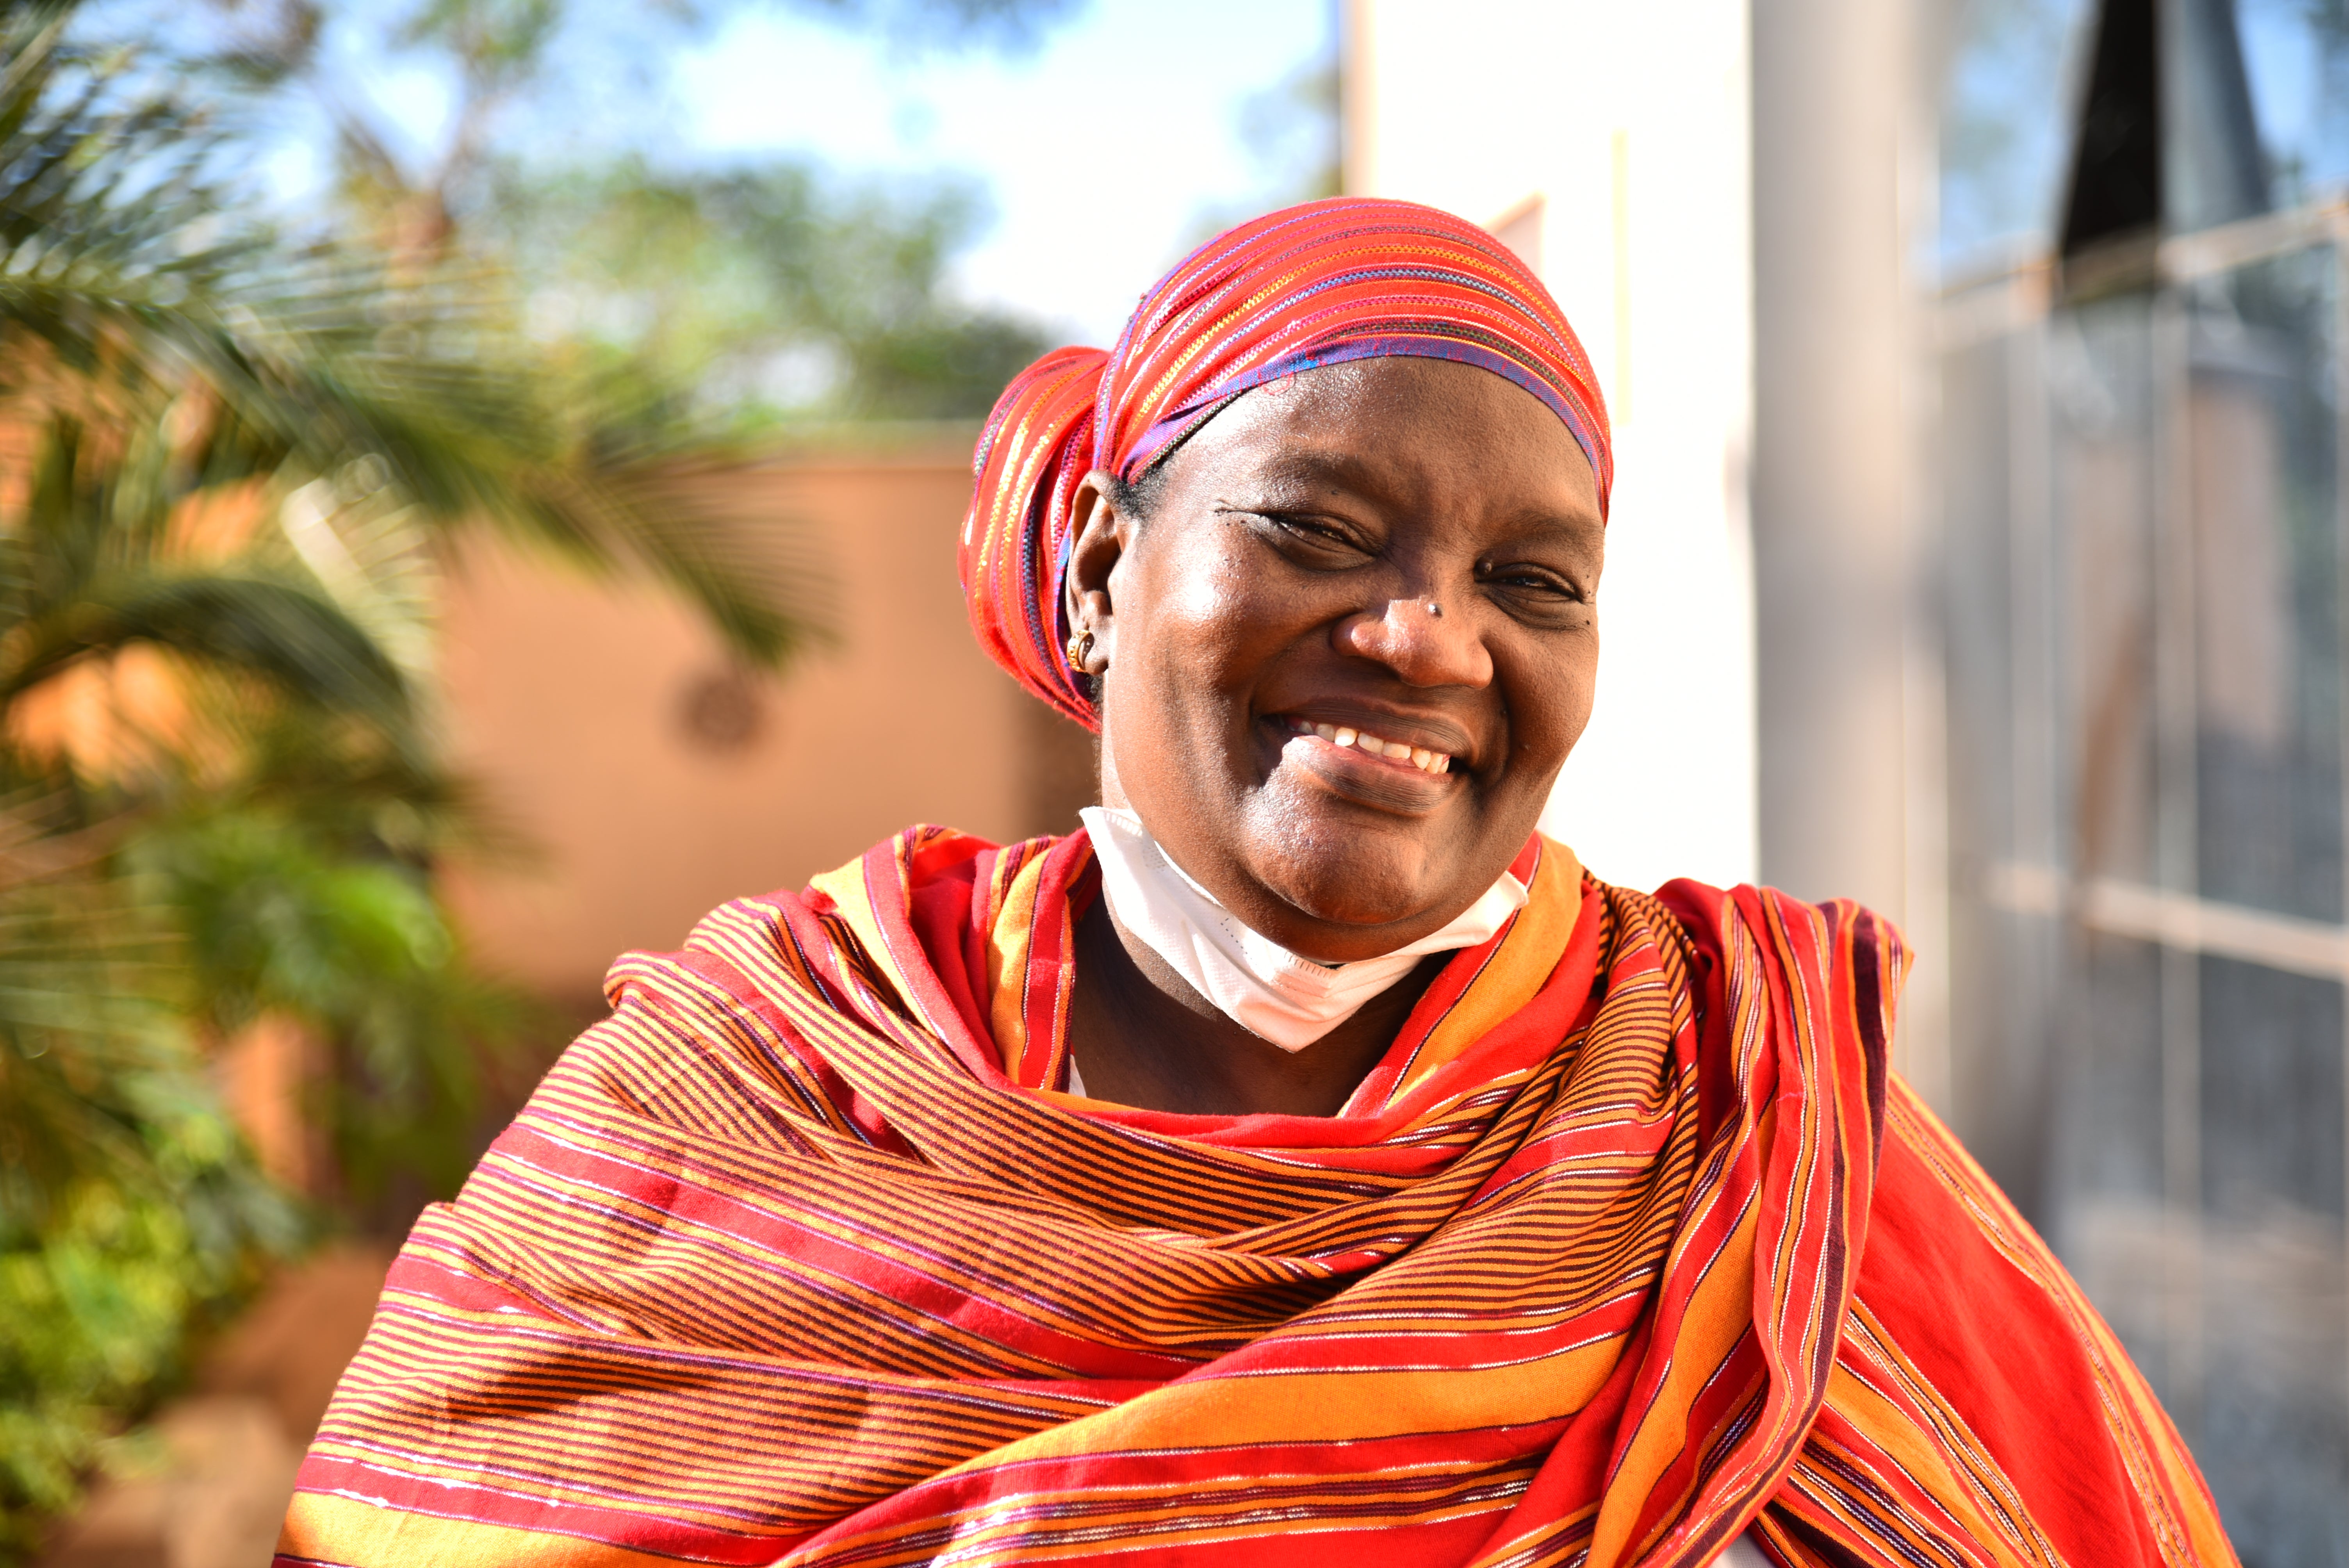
1420,757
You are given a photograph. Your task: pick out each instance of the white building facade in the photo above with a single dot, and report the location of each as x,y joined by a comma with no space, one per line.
1631,205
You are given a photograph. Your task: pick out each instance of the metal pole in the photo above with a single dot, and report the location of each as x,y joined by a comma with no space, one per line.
2176,731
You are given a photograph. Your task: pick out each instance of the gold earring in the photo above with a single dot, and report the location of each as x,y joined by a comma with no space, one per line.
1080,649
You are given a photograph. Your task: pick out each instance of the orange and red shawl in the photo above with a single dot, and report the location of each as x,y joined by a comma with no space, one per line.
1350,278
1631,1242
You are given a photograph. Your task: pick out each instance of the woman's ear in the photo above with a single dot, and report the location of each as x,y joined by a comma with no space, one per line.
1103,536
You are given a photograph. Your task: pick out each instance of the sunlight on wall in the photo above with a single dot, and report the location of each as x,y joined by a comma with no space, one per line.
1624,129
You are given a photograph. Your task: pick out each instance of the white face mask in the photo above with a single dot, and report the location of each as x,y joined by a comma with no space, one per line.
1257,983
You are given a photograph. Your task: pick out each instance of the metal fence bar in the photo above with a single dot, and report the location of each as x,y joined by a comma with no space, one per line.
2036,870
1973,310
2337,225
2181,921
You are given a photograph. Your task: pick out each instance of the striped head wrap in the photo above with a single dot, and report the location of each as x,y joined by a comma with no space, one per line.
1328,281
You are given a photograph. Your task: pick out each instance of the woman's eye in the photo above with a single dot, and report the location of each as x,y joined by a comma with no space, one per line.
1531,579
1535,594
1314,534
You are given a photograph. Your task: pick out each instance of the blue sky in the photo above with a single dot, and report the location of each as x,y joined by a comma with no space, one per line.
1104,146
1102,149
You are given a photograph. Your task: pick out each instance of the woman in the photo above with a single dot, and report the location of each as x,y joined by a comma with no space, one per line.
1306,1160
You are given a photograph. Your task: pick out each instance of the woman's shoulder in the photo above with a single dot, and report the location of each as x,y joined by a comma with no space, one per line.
1724,917
919,857
1749,939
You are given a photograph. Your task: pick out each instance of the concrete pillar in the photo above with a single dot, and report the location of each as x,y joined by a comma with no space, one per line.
1852,786
1833,449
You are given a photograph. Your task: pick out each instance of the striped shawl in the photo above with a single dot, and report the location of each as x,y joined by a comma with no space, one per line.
1631,1242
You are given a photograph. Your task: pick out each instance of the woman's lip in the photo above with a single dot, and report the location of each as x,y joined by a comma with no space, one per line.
1371,744
1385,783
1426,733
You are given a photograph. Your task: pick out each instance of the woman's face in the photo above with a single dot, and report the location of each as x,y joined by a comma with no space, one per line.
1400,550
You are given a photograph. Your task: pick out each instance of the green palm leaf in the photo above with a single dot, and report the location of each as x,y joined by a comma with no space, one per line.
286,631
328,354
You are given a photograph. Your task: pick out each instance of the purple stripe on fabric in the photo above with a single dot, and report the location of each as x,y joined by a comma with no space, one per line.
1180,423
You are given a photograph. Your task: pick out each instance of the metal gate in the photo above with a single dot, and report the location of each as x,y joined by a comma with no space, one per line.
2141,574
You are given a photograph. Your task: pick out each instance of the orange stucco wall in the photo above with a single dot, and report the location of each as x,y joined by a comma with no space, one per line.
568,705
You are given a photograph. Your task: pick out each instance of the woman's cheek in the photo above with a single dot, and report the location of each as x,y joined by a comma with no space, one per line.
1551,700
1231,600
1580,685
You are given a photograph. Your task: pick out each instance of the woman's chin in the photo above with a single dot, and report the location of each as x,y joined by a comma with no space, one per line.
1347,907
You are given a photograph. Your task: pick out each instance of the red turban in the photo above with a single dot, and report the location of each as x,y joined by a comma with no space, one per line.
1348,278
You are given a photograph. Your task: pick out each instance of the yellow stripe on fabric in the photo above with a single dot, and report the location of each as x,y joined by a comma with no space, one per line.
356,1535
1813,1038
1011,938
1006,1528
1322,1407
845,886
1870,1341
1527,956
1720,1312
1899,1437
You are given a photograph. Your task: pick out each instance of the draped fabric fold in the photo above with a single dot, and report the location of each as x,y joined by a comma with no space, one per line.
805,1255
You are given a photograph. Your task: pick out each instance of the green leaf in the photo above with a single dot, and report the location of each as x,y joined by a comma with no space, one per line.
285,632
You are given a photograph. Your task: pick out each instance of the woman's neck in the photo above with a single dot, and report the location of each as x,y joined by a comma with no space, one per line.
1142,1036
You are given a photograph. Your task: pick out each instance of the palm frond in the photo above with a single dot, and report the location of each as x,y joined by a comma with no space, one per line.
89,1032
117,261
285,632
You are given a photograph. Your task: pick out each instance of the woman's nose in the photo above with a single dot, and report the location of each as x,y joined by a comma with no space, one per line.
1423,640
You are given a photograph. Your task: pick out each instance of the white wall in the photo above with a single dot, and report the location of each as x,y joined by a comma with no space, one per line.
1631,123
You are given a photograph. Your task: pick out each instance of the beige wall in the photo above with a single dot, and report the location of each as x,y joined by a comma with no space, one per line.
568,703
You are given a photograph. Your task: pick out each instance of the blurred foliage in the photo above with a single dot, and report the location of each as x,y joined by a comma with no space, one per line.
96,1309
228,465
231,460
953,23
132,302
739,299
692,307
128,1206
292,903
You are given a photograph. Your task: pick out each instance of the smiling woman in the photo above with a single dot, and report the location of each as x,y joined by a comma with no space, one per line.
1286,704
1306,1147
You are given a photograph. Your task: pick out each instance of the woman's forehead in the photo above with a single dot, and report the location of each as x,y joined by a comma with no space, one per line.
1389,428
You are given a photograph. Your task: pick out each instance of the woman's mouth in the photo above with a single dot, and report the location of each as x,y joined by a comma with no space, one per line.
1370,745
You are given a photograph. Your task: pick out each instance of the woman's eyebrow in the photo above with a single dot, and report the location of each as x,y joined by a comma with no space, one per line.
1565,529
1294,470
1333,470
